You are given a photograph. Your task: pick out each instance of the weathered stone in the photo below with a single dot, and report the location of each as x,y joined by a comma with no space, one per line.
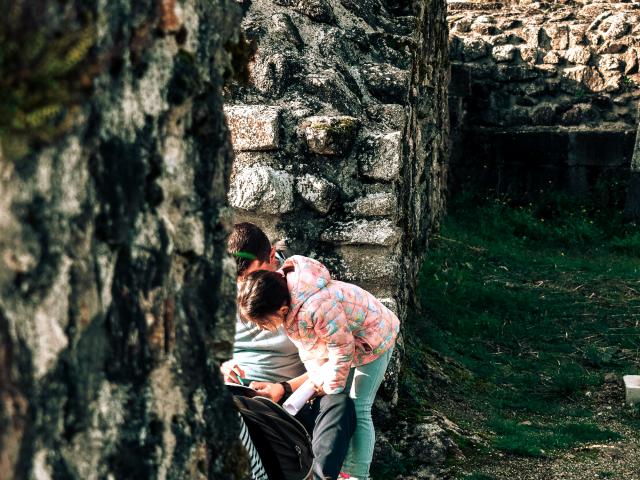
576,35
485,29
363,232
382,156
330,135
533,35
385,81
559,36
543,115
579,114
586,76
318,10
463,25
529,54
578,55
272,73
284,28
473,48
509,23
112,325
631,61
503,53
617,27
317,192
552,58
253,127
609,62
262,189
334,88
375,204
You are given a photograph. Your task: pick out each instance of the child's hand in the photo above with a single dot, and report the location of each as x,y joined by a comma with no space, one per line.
232,372
273,391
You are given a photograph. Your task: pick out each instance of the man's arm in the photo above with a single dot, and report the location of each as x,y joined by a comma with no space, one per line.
275,391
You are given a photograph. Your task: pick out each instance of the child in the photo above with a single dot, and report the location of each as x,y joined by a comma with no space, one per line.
344,335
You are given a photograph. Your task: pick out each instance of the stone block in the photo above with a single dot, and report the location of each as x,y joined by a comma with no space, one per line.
579,114
552,58
330,135
382,156
385,81
318,10
503,53
375,204
576,77
473,48
363,232
616,27
576,35
273,72
485,29
559,36
529,54
317,192
609,62
253,127
368,265
508,24
631,61
262,189
533,35
463,25
578,55
516,73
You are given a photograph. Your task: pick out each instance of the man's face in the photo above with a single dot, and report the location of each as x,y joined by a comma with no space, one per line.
271,265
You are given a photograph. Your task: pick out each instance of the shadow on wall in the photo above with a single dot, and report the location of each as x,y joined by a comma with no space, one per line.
567,147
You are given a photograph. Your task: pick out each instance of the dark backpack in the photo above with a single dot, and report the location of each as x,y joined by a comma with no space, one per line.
282,442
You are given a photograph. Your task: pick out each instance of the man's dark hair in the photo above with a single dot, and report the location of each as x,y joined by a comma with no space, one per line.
247,241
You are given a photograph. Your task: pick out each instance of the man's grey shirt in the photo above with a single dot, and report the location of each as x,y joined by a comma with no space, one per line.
265,356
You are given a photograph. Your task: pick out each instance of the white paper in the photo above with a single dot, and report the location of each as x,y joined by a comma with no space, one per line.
298,398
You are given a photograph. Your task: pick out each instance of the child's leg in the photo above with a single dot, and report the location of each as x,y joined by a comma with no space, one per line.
363,384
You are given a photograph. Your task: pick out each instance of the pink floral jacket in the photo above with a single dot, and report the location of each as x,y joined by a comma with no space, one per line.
335,325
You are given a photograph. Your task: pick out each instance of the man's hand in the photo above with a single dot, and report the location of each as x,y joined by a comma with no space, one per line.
273,391
232,372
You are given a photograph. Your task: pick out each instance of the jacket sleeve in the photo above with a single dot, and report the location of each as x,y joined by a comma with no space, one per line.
331,327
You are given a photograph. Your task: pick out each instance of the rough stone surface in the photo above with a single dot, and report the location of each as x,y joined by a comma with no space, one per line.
318,193
262,189
363,232
111,324
357,178
253,127
375,204
363,131
569,64
382,156
330,135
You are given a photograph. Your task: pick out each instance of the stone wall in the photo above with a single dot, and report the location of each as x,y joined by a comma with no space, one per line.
341,134
543,93
116,295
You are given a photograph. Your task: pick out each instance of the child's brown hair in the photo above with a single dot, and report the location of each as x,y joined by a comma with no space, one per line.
263,293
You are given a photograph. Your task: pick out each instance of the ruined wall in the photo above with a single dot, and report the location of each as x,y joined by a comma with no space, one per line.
116,297
341,134
544,93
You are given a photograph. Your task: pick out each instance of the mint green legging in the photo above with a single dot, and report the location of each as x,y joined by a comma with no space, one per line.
362,384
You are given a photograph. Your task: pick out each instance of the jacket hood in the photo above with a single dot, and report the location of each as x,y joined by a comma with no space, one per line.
308,278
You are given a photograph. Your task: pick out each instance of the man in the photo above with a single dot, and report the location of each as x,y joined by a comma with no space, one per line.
269,362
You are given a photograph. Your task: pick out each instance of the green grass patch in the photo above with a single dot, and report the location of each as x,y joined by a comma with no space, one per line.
533,305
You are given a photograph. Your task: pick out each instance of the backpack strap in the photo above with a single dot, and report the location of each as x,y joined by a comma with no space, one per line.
257,469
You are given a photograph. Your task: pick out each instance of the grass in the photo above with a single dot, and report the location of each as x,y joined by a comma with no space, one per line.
530,306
